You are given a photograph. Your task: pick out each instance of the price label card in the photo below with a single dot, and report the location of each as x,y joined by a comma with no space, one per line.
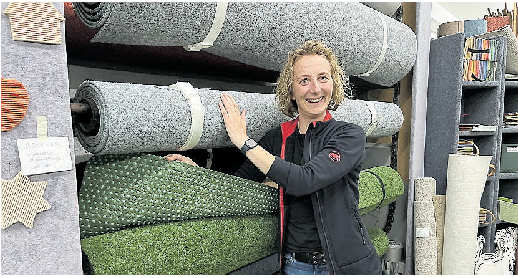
422,232
44,156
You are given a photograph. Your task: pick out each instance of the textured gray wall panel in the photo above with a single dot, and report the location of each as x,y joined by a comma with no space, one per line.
52,245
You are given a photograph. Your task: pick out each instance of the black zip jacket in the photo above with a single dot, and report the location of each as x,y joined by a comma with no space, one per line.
333,154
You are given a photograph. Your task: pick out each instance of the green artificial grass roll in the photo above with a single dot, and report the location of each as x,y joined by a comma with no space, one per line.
373,193
121,191
215,245
380,240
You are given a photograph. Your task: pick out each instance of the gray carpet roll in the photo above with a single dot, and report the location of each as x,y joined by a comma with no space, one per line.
261,34
138,118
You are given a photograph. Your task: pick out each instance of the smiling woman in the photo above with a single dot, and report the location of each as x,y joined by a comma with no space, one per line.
312,89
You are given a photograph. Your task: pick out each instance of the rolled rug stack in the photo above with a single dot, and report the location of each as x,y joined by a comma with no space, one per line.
147,118
369,44
160,217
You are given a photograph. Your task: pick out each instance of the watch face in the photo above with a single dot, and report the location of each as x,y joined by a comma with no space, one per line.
250,143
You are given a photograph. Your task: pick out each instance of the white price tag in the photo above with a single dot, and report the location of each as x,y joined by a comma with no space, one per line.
422,232
38,157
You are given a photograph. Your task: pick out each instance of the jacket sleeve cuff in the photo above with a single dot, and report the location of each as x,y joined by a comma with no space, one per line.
276,174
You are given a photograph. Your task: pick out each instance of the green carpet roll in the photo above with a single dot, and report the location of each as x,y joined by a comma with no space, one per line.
380,240
378,186
120,191
216,245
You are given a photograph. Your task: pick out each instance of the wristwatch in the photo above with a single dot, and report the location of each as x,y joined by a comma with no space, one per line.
248,145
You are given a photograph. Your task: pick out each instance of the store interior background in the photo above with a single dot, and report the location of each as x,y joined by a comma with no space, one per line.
377,153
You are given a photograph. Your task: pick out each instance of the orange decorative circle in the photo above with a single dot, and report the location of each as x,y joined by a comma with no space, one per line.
15,101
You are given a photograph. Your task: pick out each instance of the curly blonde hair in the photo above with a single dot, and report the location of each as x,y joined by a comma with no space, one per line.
283,91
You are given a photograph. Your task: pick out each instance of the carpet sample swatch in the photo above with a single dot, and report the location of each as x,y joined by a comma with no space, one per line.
22,200
35,22
474,27
466,180
15,102
210,246
378,186
366,41
121,191
147,118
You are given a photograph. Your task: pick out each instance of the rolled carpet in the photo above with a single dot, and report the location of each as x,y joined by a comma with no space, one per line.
147,118
207,246
380,240
378,186
261,34
467,177
120,191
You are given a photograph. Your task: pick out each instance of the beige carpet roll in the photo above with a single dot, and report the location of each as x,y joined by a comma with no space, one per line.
450,28
439,204
425,244
424,188
465,183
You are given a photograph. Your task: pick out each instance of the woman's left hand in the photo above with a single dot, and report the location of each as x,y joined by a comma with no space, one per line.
235,121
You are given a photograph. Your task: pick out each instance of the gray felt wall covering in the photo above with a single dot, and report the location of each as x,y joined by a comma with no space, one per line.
261,34
52,246
147,118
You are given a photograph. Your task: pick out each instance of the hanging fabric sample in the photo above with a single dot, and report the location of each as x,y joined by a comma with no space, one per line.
369,44
15,102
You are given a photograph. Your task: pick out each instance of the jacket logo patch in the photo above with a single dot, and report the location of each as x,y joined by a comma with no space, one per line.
334,156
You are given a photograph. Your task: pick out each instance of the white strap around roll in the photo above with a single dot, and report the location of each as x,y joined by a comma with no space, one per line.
215,29
374,118
383,48
197,113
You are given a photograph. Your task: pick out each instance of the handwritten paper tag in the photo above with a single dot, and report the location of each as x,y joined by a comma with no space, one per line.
38,157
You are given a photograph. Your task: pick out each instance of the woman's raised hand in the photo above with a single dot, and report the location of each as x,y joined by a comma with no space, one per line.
235,121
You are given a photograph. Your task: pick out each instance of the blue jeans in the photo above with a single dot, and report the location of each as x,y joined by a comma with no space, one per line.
292,267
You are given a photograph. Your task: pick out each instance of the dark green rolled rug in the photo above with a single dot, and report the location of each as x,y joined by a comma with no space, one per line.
215,245
121,191
378,186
